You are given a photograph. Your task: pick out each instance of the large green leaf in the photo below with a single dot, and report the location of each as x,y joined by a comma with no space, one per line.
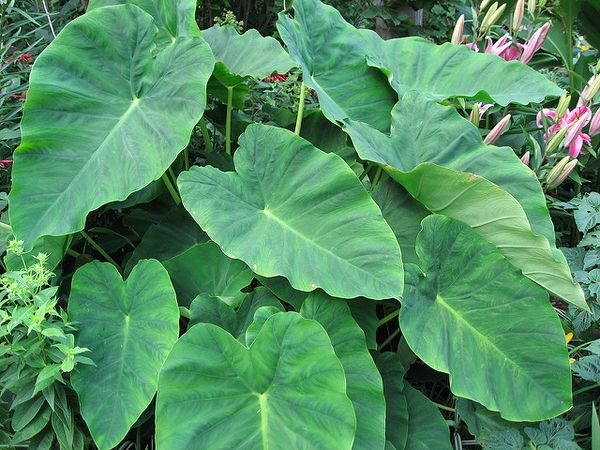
286,391
105,115
444,71
471,314
295,211
333,54
424,131
130,327
204,269
363,381
496,216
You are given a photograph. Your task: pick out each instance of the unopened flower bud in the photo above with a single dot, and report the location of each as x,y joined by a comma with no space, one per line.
497,131
576,127
518,15
525,158
457,34
595,124
531,6
535,43
563,104
484,3
560,172
488,15
474,117
598,66
556,140
590,91
542,3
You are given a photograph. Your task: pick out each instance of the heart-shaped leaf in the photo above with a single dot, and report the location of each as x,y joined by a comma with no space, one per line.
364,385
471,314
295,211
113,119
130,327
286,391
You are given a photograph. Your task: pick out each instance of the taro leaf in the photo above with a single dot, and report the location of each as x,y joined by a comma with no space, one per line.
281,287
403,214
481,421
249,54
423,132
130,327
427,429
295,211
498,217
332,54
139,107
172,236
260,298
260,318
173,18
241,56
204,268
444,71
473,315
363,381
286,391
207,309
364,312
396,419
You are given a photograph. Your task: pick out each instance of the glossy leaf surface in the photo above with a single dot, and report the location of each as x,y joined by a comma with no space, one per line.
286,391
295,211
139,105
130,327
491,325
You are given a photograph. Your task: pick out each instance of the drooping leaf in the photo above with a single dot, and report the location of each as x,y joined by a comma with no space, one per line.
495,215
363,381
281,287
332,54
130,327
448,70
481,421
140,105
295,211
203,268
427,429
483,309
286,391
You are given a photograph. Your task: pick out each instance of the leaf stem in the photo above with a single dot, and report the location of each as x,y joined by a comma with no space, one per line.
228,120
300,108
389,339
376,178
186,158
389,317
100,250
206,135
366,171
444,407
5,226
171,188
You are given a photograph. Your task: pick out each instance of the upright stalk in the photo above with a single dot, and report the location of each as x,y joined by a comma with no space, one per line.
206,135
228,120
100,250
171,188
300,109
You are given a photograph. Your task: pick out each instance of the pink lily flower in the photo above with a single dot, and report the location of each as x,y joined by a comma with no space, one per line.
595,124
575,121
481,109
506,50
535,43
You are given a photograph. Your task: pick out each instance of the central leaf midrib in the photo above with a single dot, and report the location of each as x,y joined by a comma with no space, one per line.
313,243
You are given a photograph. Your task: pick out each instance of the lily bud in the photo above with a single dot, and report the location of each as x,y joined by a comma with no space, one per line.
595,124
484,3
497,131
457,34
598,66
474,117
518,15
525,158
563,104
542,3
535,43
493,18
560,172
556,140
590,91
488,15
531,6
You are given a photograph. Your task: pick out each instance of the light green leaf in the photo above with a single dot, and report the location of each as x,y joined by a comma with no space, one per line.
363,381
286,391
448,70
130,327
295,211
259,298
468,314
105,115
